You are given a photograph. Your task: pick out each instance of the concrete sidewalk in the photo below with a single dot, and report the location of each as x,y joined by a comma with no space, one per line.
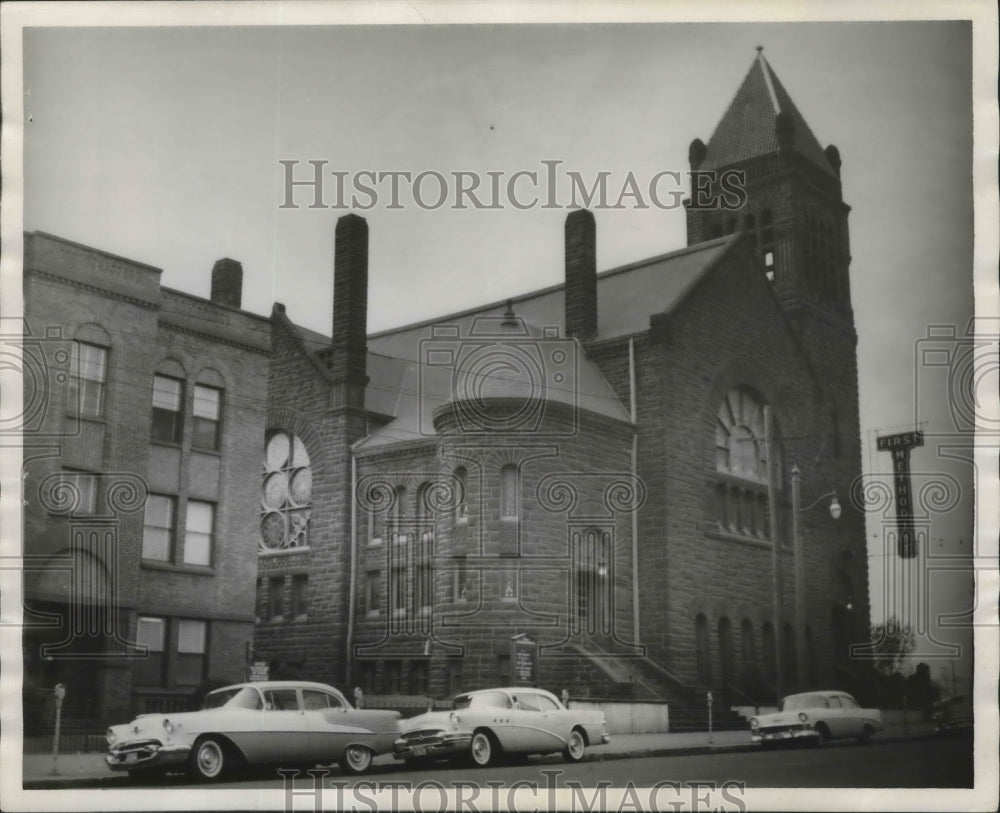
89,770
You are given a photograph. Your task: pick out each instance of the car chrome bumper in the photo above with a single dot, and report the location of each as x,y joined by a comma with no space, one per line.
442,745
783,734
605,738
140,755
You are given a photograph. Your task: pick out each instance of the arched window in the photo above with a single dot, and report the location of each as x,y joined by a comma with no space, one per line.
739,436
767,243
741,455
424,526
593,566
286,500
703,662
768,653
168,409
811,658
725,655
748,659
508,492
399,510
423,543
790,657
207,407
461,496
88,372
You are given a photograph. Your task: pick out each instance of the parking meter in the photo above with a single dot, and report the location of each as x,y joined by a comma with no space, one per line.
59,692
708,698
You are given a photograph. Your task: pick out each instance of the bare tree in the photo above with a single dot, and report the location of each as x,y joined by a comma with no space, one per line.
892,642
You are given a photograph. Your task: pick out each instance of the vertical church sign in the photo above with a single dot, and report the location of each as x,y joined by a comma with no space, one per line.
899,447
524,660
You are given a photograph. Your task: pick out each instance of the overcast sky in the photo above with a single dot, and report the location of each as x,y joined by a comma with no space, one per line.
163,145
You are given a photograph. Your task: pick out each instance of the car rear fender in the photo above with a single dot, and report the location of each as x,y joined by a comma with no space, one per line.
375,720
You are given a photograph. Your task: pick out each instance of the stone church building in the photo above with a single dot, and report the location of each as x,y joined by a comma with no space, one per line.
587,486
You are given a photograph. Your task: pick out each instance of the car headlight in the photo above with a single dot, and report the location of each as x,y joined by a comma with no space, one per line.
803,717
168,726
111,737
754,722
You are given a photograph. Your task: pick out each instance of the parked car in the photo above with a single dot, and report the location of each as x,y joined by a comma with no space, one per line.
262,723
952,715
817,717
487,724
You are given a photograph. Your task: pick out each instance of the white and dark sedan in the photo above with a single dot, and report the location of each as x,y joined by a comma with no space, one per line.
488,724
816,717
290,723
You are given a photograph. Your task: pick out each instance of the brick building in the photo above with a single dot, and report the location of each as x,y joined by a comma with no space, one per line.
587,486
144,413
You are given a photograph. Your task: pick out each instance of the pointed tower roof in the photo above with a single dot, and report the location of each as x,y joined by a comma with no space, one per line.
749,127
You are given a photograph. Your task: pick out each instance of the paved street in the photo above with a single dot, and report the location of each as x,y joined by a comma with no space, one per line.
913,763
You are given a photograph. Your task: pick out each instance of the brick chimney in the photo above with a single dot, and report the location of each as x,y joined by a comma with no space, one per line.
350,309
227,283
581,275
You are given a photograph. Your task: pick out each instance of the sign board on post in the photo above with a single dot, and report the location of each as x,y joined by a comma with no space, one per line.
900,446
524,660
258,670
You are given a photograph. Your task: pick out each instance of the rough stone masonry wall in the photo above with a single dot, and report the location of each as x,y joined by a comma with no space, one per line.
729,333
298,398
477,631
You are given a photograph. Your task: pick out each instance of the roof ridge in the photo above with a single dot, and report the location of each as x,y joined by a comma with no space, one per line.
618,269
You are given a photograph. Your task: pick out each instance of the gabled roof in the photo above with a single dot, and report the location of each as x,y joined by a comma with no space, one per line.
626,297
406,390
747,128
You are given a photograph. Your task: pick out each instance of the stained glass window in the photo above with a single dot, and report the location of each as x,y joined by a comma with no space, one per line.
286,498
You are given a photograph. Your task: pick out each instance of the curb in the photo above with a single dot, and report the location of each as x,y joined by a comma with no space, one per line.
115,780
71,783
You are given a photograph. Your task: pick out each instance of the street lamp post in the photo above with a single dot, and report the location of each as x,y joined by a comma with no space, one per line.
799,559
773,486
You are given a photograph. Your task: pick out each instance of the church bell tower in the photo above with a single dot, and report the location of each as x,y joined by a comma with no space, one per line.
795,216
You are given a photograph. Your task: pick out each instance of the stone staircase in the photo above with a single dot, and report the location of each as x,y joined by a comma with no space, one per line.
642,678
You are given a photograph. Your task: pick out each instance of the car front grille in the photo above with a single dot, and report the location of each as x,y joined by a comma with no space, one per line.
135,751
136,745
422,737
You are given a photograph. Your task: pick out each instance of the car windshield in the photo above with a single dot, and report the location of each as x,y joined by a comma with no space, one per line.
797,702
484,700
235,697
